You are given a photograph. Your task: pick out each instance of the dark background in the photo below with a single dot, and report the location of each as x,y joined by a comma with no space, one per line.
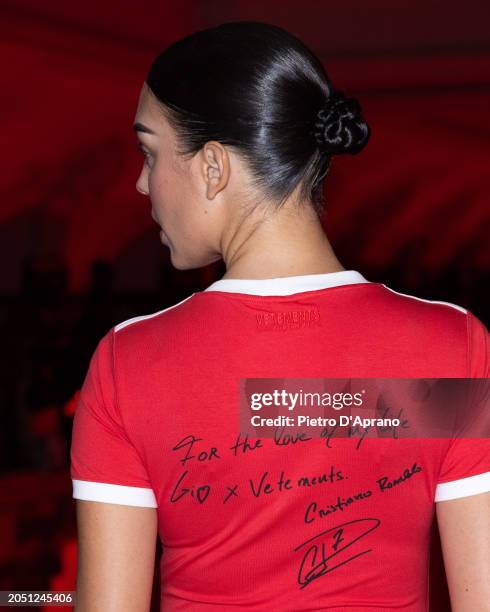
81,253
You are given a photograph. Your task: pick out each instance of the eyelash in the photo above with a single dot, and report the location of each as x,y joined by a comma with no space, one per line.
139,147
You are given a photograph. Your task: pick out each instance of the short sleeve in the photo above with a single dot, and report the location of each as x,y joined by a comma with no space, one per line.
104,465
465,470
466,467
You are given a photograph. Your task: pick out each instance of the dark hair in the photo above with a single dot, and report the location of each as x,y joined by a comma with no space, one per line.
256,87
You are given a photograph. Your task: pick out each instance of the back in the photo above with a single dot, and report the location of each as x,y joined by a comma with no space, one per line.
271,523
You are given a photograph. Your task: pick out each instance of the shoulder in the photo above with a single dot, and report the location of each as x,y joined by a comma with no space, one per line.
408,311
437,325
148,321
151,331
416,302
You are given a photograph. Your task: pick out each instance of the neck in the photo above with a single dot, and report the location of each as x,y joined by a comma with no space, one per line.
287,242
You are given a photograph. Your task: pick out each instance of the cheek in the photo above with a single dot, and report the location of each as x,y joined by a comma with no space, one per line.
159,187
175,202
168,199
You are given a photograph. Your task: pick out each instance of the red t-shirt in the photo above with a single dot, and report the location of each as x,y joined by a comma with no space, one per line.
255,523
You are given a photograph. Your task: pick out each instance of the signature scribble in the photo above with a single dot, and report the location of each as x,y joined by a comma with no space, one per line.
335,541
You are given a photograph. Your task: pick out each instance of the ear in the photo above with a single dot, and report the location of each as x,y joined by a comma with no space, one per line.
215,168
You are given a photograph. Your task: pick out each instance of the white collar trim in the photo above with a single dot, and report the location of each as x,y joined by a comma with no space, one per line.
287,285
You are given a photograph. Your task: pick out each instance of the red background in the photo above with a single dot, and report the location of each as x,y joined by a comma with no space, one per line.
71,78
412,207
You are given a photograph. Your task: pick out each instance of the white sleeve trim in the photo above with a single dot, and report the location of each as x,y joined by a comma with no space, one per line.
113,493
473,485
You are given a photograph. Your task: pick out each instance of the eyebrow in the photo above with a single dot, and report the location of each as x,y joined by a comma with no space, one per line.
139,127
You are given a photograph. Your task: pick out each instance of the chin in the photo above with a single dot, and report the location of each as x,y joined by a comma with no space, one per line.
182,263
179,263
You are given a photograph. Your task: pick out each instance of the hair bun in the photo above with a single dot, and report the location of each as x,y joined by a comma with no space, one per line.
340,127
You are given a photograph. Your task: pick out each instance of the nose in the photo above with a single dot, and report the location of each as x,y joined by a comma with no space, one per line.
140,189
141,185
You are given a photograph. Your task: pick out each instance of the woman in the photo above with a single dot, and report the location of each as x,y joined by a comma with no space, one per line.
238,125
